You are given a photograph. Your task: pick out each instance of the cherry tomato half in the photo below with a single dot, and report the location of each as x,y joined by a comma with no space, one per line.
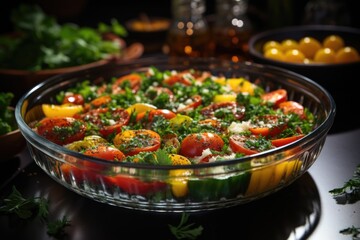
167,114
238,145
107,120
74,98
132,142
70,171
194,144
276,97
134,80
133,185
100,102
267,125
211,111
181,77
105,152
153,92
283,141
196,101
292,107
61,130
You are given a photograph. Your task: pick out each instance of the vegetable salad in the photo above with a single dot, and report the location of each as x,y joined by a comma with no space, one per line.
173,118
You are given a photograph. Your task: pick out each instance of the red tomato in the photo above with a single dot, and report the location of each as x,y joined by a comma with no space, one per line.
132,142
107,120
196,101
277,96
134,80
105,152
267,125
158,91
102,151
283,141
100,102
210,111
61,130
80,174
74,98
178,78
167,114
237,144
213,123
194,144
133,185
292,107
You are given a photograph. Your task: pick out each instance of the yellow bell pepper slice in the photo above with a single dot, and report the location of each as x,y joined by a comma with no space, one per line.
179,181
241,85
224,98
63,110
269,177
180,120
140,107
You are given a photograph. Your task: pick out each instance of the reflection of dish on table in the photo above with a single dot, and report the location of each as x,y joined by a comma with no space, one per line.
291,213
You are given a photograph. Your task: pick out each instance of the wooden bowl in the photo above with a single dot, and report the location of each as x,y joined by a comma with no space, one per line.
20,81
11,143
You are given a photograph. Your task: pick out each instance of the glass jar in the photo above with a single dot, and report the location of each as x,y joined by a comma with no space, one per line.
189,32
232,30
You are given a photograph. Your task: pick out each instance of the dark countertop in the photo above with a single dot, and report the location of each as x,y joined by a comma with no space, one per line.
303,210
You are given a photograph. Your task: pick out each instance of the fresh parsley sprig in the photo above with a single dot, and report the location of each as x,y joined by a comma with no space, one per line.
353,231
25,208
350,190
184,230
349,193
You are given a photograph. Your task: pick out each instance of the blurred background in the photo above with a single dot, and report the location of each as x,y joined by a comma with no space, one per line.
264,14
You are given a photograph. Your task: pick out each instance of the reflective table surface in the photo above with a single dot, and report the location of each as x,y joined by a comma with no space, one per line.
303,210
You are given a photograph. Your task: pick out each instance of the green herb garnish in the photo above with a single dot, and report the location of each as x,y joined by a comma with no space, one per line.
350,191
7,117
26,208
353,231
49,45
183,231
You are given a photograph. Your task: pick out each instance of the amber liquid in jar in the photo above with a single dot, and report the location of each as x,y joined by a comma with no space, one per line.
197,45
230,44
232,30
189,33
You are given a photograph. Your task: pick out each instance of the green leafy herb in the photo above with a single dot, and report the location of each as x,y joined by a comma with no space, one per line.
57,227
25,208
350,191
7,117
49,45
184,230
353,231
